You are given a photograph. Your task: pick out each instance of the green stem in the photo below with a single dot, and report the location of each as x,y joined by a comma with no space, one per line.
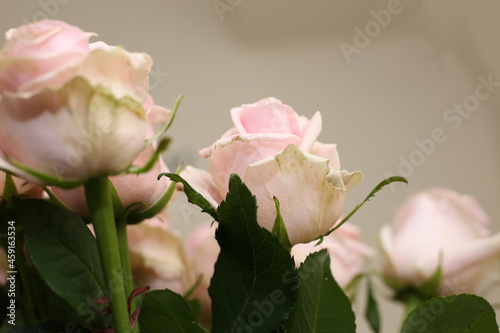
98,194
121,230
411,299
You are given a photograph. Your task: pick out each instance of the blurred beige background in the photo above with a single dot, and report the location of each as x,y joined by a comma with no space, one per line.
380,94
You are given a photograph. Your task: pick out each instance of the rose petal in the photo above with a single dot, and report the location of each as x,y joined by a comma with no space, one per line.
310,202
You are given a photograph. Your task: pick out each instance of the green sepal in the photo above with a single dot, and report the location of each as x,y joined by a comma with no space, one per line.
431,286
193,196
279,228
9,191
377,188
47,178
162,146
118,208
136,217
167,125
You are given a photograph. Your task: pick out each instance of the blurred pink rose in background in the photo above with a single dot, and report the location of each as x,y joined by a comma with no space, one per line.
157,256
348,254
275,152
202,251
69,109
440,226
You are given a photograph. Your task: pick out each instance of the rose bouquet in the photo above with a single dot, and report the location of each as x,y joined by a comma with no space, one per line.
86,245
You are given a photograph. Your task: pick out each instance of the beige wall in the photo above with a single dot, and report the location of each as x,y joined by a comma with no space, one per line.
375,105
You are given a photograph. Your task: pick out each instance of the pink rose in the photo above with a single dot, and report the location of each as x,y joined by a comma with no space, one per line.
157,256
202,251
348,254
436,227
275,152
131,188
69,110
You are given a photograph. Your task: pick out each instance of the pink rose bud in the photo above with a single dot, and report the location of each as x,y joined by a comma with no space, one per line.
69,110
348,254
441,227
157,256
202,251
276,154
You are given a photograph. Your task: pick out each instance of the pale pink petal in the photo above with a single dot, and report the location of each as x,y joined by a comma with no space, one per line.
269,116
328,151
311,132
157,258
233,155
310,201
203,183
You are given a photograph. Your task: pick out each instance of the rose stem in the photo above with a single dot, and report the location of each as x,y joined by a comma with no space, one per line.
98,194
121,231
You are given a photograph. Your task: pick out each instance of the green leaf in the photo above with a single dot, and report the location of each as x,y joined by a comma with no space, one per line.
321,304
254,283
193,196
377,188
50,327
165,311
279,228
372,313
457,314
65,253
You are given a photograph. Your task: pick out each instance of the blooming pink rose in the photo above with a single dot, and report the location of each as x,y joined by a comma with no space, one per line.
276,154
69,110
436,227
202,251
157,256
348,254
131,188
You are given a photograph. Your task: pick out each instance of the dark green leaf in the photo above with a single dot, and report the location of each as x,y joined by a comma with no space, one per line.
165,311
457,314
51,327
254,284
66,255
321,304
193,196
372,313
